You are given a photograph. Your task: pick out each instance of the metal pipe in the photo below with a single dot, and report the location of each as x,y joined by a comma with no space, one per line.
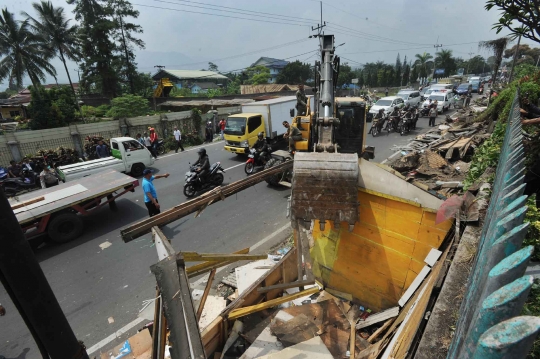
326,111
32,291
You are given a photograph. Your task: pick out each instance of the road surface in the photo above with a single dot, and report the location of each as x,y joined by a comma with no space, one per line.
101,282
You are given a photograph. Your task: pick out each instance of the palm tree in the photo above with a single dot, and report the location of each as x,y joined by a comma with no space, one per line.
497,47
422,62
445,60
22,51
60,36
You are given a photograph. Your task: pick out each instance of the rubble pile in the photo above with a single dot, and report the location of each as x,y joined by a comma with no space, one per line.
439,159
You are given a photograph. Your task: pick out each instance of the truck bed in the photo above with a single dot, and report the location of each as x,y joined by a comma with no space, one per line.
67,194
87,166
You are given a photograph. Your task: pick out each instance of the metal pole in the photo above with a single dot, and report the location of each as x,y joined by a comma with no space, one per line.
514,60
32,292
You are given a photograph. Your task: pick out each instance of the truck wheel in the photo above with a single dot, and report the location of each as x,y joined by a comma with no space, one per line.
137,169
273,180
65,227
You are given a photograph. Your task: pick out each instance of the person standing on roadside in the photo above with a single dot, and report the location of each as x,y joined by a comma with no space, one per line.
154,141
432,116
178,138
468,99
140,139
101,150
148,144
150,194
222,124
386,92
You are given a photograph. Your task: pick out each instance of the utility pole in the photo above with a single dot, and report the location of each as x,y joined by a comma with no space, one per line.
469,62
514,60
436,46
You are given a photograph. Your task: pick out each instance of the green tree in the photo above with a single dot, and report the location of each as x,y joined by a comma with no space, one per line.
46,107
345,74
128,106
398,68
423,63
257,75
59,35
525,55
143,84
212,67
124,33
23,52
520,17
97,49
444,60
497,47
294,73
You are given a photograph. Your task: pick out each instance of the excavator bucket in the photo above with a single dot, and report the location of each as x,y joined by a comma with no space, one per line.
325,187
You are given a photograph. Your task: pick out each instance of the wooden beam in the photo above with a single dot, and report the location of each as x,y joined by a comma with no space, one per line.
285,285
205,293
140,228
220,257
204,267
352,349
379,331
379,317
32,201
240,312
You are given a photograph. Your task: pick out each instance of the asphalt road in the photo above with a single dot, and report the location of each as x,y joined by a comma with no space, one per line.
101,282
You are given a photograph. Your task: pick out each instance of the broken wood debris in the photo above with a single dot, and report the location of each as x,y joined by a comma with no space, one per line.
377,318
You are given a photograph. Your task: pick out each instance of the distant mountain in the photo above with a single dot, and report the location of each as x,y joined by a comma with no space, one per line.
146,60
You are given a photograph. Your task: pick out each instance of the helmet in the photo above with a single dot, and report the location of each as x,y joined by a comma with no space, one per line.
260,135
201,151
381,110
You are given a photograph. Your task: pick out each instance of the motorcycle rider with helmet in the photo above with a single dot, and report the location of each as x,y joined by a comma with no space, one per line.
204,164
260,146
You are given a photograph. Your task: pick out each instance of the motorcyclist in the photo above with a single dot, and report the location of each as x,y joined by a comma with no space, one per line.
381,117
48,177
261,146
203,164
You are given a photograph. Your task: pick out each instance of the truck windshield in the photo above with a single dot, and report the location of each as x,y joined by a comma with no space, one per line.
234,126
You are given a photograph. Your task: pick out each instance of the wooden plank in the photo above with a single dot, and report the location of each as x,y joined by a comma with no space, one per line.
204,267
352,348
285,285
205,294
237,313
52,197
378,332
414,286
432,257
378,317
32,201
189,257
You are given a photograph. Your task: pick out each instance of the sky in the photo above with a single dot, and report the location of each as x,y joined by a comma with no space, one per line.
182,34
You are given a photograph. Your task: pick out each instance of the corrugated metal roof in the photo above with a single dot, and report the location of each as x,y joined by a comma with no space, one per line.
270,62
232,102
193,74
252,89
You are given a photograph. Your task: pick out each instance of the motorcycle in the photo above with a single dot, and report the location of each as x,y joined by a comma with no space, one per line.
160,147
377,126
391,124
424,112
194,183
404,125
28,181
256,160
3,173
415,116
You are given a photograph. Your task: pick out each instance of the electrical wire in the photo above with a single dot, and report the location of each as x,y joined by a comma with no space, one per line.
204,13
344,32
242,55
409,48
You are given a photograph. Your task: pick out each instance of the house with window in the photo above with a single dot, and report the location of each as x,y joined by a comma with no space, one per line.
274,65
15,106
185,78
203,87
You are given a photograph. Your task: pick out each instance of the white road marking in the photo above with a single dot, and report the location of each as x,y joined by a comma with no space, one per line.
94,348
238,165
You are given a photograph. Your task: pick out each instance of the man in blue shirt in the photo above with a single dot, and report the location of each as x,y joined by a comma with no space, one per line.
101,150
150,194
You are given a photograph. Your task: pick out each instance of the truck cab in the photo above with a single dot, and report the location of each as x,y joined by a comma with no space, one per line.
241,131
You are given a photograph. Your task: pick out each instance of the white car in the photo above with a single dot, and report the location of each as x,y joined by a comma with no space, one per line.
444,99
387,103
411,97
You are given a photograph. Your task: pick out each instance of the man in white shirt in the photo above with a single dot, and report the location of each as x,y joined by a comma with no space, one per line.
178,138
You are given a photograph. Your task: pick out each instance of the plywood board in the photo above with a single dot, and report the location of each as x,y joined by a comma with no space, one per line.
432,257
414,286
378,317
248,274
52,197
315,347
213,306
265,344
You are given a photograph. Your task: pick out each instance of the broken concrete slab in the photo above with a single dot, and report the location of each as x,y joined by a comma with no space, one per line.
315,347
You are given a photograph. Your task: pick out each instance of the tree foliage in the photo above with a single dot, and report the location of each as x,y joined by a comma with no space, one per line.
23,52
51,108
423,63
128,106
497,47
294,73
520,17
444,60
212,67
257,75
525,54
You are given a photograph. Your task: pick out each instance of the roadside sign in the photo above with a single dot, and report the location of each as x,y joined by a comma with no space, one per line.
354,81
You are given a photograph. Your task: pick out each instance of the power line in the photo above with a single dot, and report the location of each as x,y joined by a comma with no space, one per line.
409,48
204,13
244,54
344,32
380,38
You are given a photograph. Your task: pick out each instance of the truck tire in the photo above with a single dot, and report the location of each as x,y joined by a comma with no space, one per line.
65,227
273,180
137,169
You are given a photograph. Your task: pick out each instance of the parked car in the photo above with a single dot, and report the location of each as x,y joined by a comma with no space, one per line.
462,89
434,88
388,103
411,97
477,87
444,99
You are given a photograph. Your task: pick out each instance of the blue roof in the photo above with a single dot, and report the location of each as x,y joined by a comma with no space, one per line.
270,62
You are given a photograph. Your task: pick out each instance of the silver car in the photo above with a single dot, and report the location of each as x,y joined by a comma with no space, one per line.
411,97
